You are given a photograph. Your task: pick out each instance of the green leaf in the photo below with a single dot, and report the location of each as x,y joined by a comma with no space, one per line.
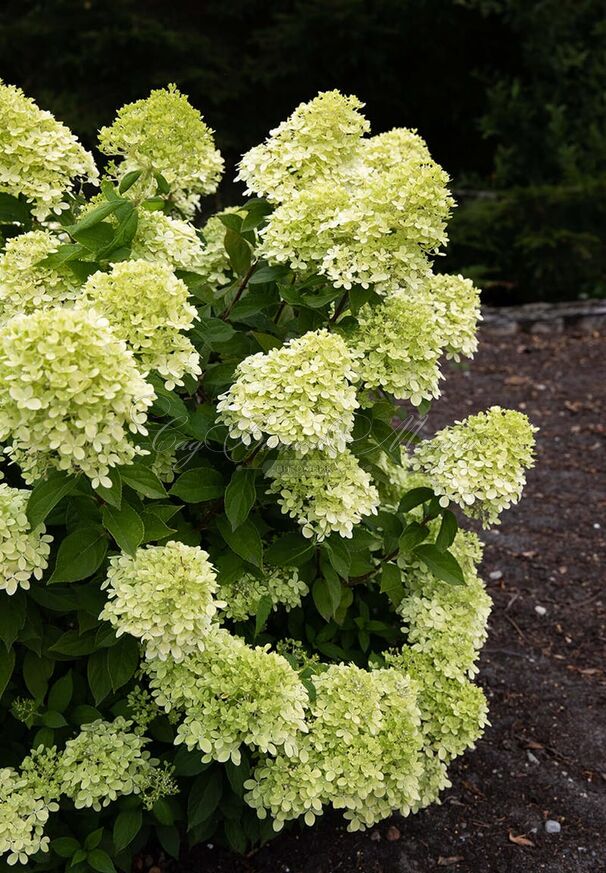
99,680
204,797
7,665
13,612
93,839
124,233
169,839
323,599
112,495
448,530
415,498
125,525
13,210
72,644
162,185
96,215
245,541
256,210
264,608
128,180
100,861
52,719
443,565
80,555
235,835
143,480
289,550
46,494
163,811
36,673
391,583
65,847
265,273
60,695
338,554
84,714
414,534
94,238
199,485
240,496
122,661
126,827
213,331
238,251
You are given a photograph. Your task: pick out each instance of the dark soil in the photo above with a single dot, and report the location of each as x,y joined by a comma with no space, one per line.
545,675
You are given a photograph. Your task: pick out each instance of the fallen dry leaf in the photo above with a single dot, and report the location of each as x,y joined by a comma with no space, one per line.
392,834
520,840
448,862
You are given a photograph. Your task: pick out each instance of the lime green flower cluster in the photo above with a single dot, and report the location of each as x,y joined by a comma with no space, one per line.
323,494
23,552
147,306
318,138
242,595
447,622
358,211
70,394
396,347
165,134
163,596
39,157
457,312
231,694
24,810
161,239
453,711
299,395
361,753
106,760
480,463
26,285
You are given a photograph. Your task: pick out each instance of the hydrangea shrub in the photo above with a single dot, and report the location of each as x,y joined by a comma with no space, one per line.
234,589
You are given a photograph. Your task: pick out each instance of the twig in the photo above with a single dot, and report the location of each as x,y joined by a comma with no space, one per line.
240,290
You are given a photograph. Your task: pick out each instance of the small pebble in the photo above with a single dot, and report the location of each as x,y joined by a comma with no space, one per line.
495,575
552,827
540,610
375,837
532,758
393,834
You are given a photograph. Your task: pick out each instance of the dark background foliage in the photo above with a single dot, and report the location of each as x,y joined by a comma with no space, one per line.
510,95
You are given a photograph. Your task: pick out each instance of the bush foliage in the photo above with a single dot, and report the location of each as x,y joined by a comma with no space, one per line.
234,592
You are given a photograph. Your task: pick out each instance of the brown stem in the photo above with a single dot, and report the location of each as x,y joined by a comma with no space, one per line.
339,307
240,290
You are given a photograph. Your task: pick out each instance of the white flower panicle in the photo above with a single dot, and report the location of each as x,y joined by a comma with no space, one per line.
397,348
323,494
281,585
299,395
24,810
106,760
163,596
457,313
165,134
23,552
26,285
70,394
148,307
447,622
480,463
361,754
39,157
161,239
453,711
231,695
358,211
315,140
